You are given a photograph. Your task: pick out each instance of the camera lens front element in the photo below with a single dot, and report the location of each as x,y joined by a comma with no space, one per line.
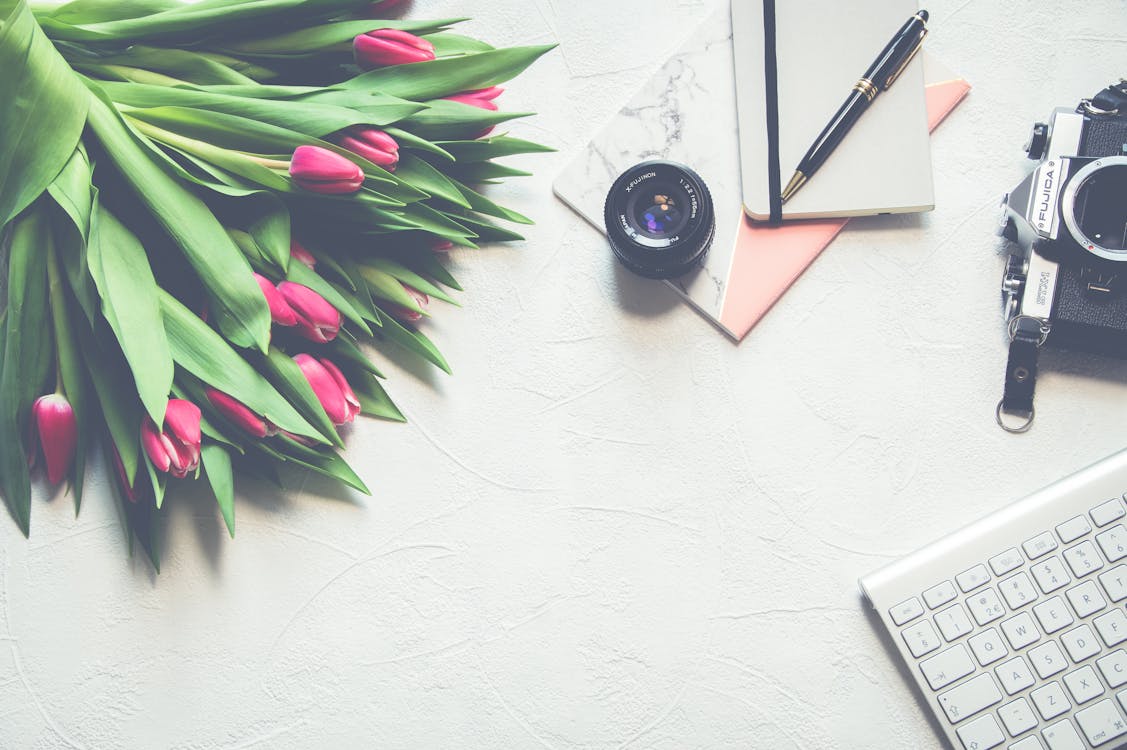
659,219
1095,207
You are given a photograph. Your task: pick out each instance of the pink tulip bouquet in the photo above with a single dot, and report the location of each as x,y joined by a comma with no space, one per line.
211,215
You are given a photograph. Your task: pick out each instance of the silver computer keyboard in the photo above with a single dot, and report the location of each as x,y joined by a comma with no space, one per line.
1015,627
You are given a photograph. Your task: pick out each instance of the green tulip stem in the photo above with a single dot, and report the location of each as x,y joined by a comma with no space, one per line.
57,301
129,73
202,149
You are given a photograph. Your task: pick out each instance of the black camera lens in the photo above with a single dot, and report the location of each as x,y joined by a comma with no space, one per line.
659,219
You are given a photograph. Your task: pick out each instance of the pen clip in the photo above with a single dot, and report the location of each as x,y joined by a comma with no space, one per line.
896,73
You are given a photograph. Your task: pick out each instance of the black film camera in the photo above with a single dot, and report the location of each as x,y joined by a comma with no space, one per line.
1066,280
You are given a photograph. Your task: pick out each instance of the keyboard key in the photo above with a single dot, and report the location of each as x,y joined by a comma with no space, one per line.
1042,544
1083,685
1112,627
1114,668
940,594
1101,723
1047,659
1018,590
1020,631
1050,701
1080,643
981,734
985,606
1050,574
1053,614
967,699
1110,511
1018,717
953,622
1122,699
1073,529
906,611
921,638
988,647
1113,542
1083,559
1004,562
1014,675
1029,743
1114,582
1086,598
947,666
1062,736
971,579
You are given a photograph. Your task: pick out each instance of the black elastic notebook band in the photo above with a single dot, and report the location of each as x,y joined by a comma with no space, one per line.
771,77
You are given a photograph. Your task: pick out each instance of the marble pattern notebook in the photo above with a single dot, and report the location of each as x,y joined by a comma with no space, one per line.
687,113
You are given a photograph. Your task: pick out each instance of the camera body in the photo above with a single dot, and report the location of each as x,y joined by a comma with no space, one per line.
1067,275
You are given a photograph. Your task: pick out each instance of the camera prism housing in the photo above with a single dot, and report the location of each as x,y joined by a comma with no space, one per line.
1068,219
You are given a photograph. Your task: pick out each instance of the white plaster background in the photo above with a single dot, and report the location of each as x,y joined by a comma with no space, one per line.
611,528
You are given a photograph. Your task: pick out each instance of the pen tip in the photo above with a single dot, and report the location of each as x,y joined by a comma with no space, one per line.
923,15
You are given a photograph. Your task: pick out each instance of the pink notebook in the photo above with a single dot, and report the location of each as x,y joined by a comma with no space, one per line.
687,113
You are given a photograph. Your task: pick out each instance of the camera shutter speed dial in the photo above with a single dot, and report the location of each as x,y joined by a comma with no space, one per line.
1038,137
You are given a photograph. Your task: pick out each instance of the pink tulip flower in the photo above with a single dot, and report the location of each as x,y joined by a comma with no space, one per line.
300,254
443,246
480,98
319,170
374,145
331,388
280,312
390,47
238,413
53,421
407,314
317,320
175,449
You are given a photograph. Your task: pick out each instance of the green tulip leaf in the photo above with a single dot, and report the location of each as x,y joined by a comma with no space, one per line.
130,303
491,148
316,38
409,277
374,400
238,304
43,114
412,341
423,176
216,463
27,355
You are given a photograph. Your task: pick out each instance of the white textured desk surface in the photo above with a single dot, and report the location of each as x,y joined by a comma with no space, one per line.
612,528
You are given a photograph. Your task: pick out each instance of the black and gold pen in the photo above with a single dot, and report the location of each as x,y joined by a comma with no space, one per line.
884,71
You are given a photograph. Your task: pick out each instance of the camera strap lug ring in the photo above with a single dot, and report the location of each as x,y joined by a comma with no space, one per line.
1042,327
1015,429
1092,109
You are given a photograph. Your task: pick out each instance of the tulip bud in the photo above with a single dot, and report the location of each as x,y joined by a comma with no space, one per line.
480,98
390,47
374,145
322,171
331,388
280,312
238,413
443,246
176,448
317,320
407,314
53,421
300,254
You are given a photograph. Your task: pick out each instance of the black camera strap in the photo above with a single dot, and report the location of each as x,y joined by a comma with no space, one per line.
1026,337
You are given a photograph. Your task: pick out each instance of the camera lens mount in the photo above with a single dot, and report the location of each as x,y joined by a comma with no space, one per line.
1095,210
659,219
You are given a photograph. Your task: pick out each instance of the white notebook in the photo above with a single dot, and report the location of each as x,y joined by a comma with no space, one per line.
822,48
